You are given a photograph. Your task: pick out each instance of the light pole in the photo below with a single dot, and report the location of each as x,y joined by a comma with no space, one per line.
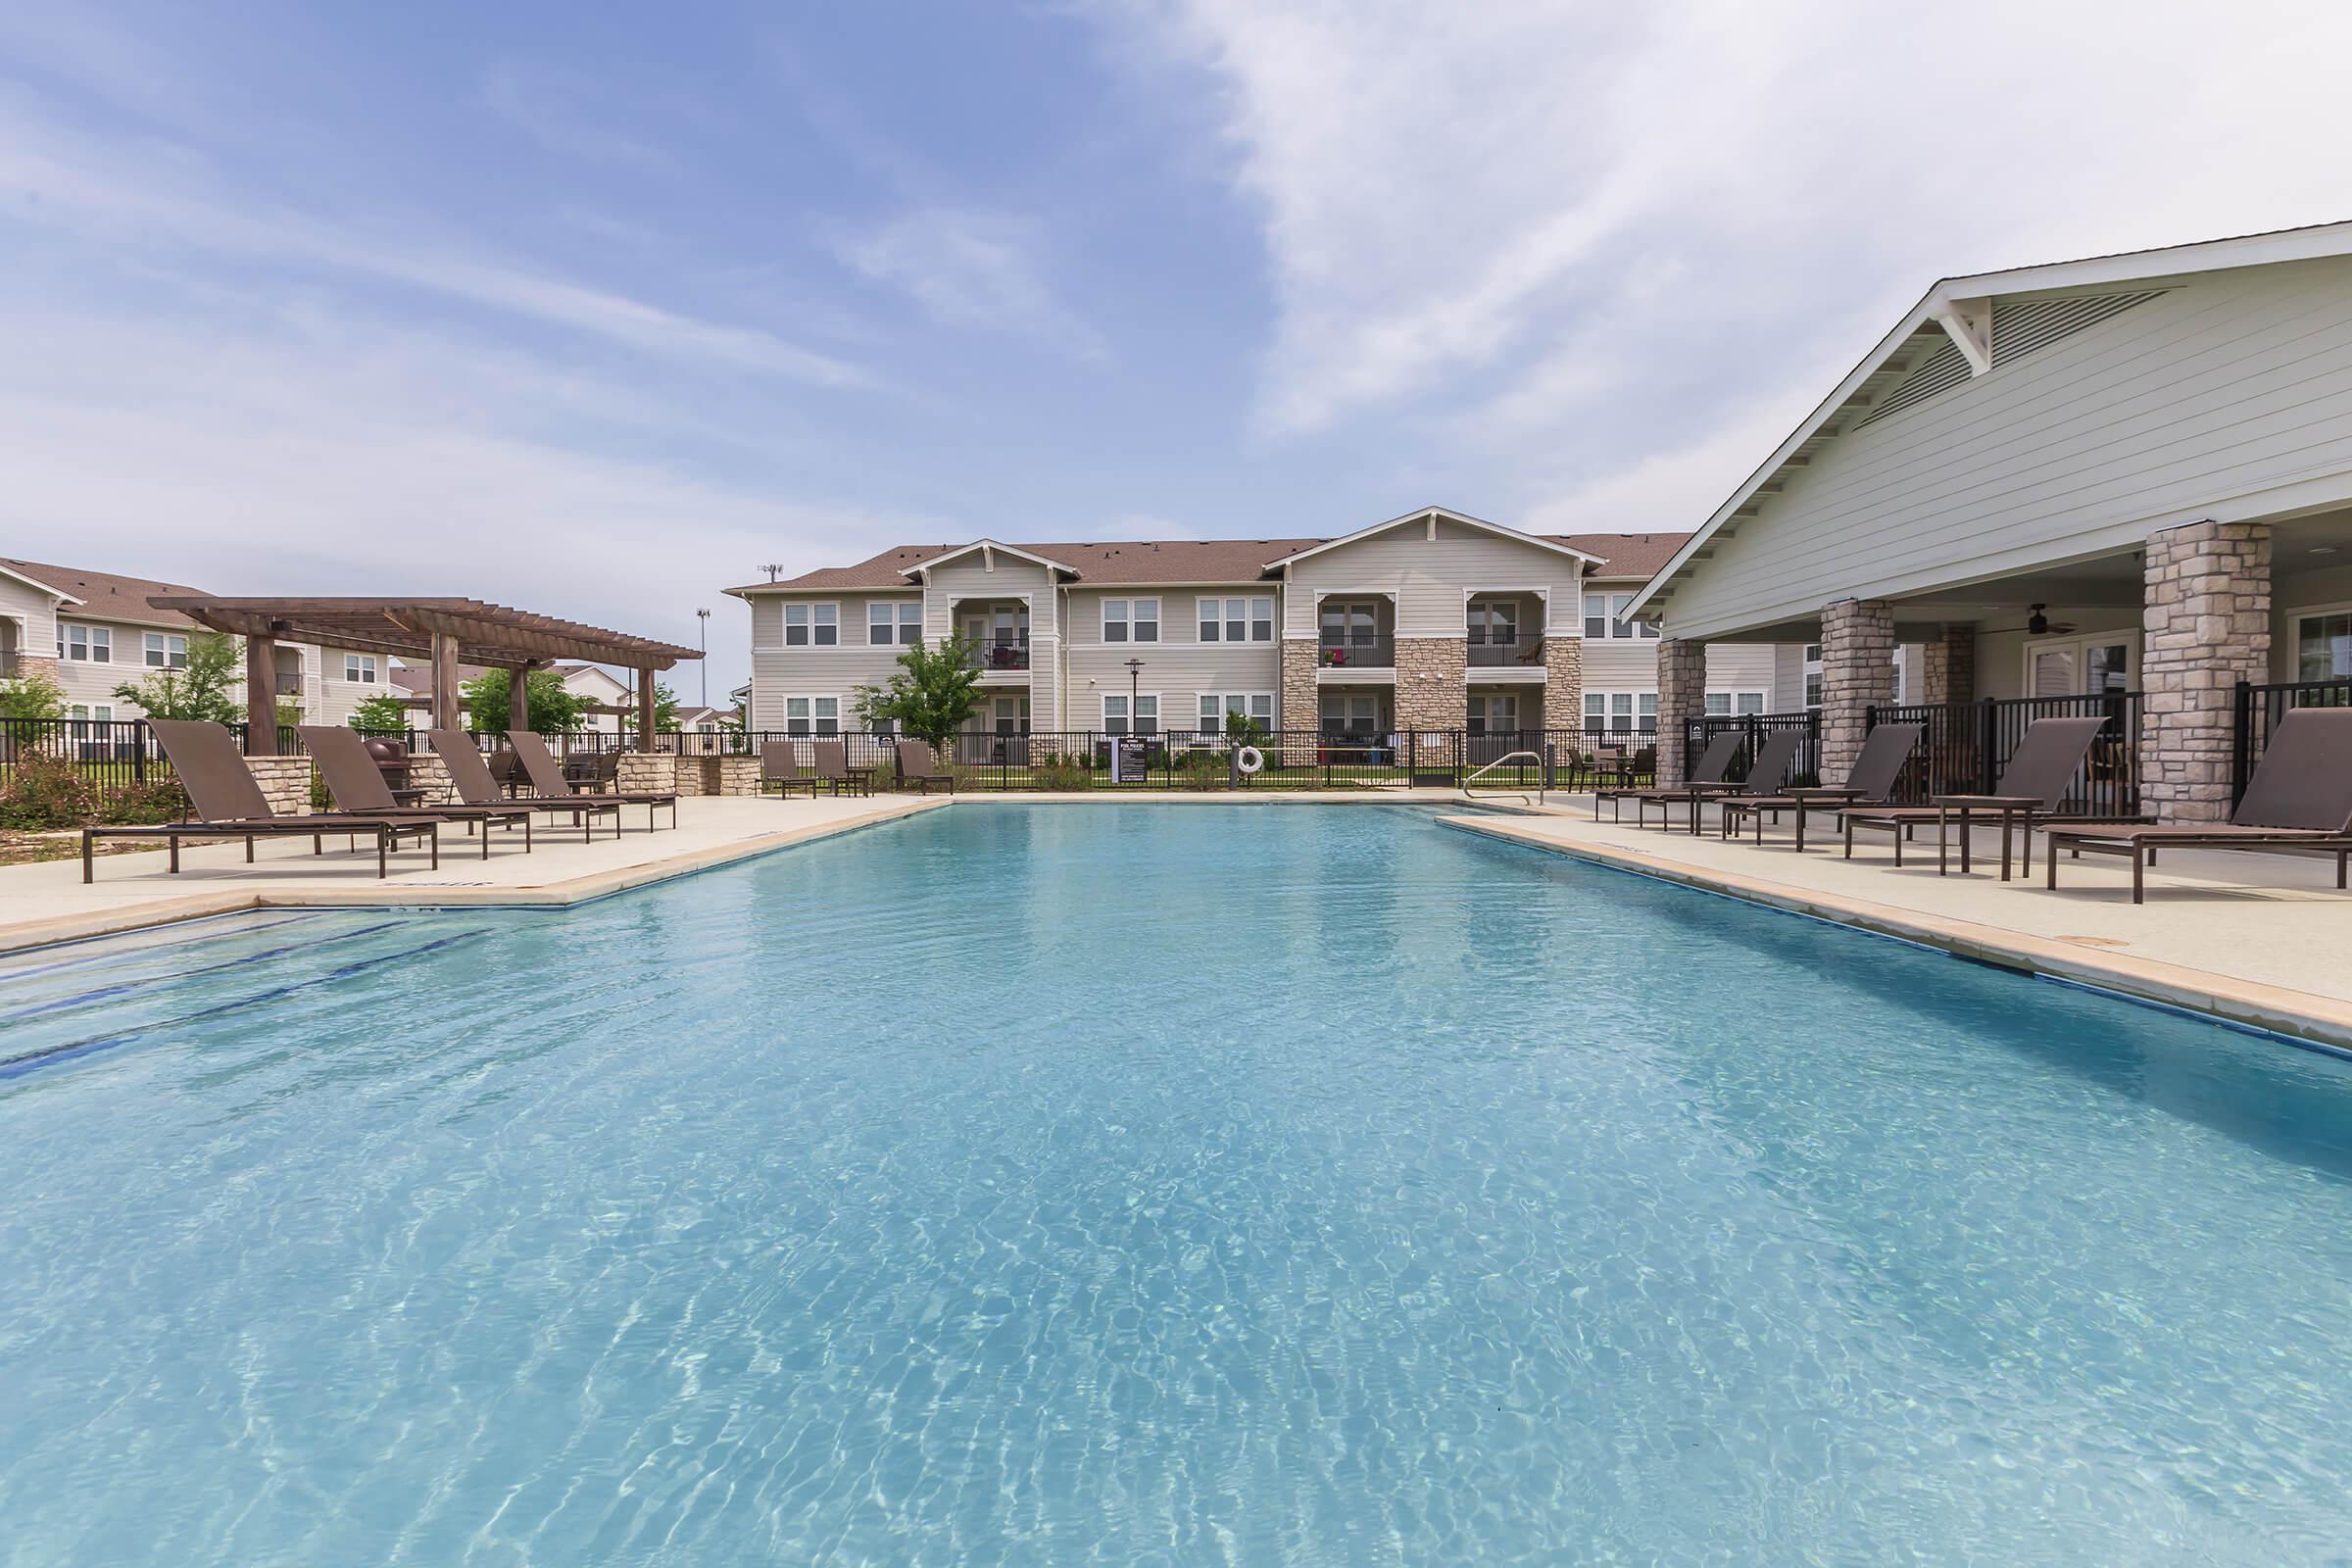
1135,684
704,616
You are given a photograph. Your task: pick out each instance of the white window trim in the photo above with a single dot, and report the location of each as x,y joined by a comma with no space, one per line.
2296,614
1608,696
2082,642
896,623
813,606
1159,717
91,631
370,675
1160,619
1733,694
1225,702
841,715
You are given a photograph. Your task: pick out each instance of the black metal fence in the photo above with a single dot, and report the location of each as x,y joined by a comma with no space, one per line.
1964,747
2258,712
1700,733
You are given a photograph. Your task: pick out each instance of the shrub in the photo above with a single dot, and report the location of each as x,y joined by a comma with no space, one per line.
155,801
1203,771
47,792
1052,771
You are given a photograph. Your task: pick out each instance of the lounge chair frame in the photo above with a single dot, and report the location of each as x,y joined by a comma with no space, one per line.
341,758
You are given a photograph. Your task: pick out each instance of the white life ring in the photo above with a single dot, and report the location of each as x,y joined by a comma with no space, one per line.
1249,760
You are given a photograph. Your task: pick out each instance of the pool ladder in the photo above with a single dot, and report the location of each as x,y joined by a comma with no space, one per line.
1500,794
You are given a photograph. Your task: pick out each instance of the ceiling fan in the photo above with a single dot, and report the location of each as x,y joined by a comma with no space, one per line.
2039,624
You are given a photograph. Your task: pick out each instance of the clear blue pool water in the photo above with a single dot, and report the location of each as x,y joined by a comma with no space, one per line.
1152,1185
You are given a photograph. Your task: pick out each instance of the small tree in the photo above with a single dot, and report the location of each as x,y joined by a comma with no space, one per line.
553,707
1243,730
665,711
32,698
933,695
380,714
201,691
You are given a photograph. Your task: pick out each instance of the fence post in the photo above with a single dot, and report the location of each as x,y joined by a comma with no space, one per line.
138,751
1987,724
2242,741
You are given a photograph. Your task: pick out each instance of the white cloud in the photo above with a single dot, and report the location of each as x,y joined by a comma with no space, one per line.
968,269
1596,235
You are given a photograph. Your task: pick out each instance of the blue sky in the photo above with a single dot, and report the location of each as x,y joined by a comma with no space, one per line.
596,309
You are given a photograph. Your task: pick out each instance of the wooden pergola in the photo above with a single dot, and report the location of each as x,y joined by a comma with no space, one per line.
443,634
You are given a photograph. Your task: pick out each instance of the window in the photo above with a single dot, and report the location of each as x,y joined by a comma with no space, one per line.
101,713
166,651
1813,682
812,625
1237,620
811,715
2324,645
1146,718
1600,617
1494,622
92,644
889,622
1496,714
1351,629
360,667
1131,620
1013,715
1350,713
1622,712
1719,704
1214,706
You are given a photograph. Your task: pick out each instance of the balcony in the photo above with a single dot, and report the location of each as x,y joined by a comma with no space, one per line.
999,658
8,663
1524,653
1356,650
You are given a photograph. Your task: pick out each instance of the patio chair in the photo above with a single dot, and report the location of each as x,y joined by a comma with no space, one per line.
829,764
1713,764
2299,798
2030,790
780,771
1886,753
919,769
1770,770
547,778
228,803
469,775
340,755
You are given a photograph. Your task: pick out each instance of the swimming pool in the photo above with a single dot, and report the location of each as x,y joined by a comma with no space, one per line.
1133,1183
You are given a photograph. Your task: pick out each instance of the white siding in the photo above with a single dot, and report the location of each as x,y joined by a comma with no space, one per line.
1428,577
2230,397
808,670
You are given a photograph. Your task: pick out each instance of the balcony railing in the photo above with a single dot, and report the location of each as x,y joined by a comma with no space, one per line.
1000,656
1514,654
1357,653
289,685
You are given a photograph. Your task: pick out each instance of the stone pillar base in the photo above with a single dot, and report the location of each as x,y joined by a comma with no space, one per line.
1563,682
1682,697
1300,712
1433,684
1947,667
427,772
2207,626
647,773
1857,672
285,783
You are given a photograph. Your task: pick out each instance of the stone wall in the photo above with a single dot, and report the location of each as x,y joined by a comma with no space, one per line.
31,665
647,773
430,774
2207,627
285,783
1947,666
1857,670
718,775
1433,683
1300,712
1682,697
1563,682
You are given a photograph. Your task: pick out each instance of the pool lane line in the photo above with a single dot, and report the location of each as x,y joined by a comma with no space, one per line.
128,987
290,918
19,1066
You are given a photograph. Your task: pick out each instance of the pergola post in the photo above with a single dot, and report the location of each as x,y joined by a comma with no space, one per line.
519,698
261,696
447,713
645,710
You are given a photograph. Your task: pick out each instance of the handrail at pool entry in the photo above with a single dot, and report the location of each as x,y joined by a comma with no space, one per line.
1468,784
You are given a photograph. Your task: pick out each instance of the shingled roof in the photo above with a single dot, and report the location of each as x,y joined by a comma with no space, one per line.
106,595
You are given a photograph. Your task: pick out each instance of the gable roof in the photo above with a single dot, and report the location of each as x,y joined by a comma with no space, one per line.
1958,310
104,595
1623,555
1425,514
988,546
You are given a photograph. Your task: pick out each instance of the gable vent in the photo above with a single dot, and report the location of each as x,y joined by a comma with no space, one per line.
2038,324
1946,367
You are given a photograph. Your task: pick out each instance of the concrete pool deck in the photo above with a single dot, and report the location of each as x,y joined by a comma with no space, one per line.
2255,939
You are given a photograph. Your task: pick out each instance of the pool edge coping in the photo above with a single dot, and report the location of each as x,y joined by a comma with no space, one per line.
2301,1017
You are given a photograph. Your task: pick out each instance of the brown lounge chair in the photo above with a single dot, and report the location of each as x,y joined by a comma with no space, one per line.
547,778
830,762
2300,796
469,775
357,785
2030,787
1885,754
1774,758
229,804
1713,764
780,771
917,767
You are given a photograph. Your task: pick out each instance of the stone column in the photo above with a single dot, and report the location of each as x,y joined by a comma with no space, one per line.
2207,626
1563,682
1433,683
285,783
1682,697
1947,666
1300,715
1857,670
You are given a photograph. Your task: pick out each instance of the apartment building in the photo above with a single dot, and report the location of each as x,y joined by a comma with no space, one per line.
1434,621
92,631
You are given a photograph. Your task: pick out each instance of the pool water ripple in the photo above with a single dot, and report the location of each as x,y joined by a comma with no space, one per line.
1186,1185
